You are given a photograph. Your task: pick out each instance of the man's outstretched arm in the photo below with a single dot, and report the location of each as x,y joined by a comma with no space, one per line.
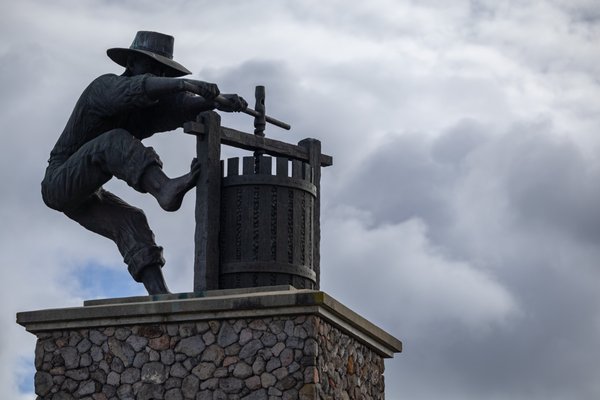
195,104
156,87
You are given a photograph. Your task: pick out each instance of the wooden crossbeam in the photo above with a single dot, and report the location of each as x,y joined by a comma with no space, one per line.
247,141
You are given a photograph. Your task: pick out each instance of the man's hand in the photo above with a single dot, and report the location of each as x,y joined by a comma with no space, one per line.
207,90
236,103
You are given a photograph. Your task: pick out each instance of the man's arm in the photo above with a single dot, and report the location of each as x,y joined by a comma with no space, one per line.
156,87
194,105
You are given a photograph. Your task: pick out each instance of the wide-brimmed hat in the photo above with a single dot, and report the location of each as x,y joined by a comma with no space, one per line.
155,45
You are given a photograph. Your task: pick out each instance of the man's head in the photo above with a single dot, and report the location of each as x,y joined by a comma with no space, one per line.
140,64
149,51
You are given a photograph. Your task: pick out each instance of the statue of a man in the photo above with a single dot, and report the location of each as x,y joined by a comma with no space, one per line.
102,139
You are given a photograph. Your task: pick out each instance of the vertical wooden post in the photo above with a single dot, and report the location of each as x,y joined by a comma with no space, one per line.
314,159
260,121
208,198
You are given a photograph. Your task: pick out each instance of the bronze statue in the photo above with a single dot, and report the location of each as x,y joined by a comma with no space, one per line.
102,139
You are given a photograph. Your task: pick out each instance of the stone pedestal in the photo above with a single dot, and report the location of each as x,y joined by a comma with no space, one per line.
231,344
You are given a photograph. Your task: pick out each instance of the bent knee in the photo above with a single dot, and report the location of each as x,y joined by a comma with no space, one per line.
56,196
117,135
51,197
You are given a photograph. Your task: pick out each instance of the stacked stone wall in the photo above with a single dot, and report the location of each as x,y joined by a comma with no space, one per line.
346,368
302,357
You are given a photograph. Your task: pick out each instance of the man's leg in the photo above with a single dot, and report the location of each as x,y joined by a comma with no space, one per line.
108,215
114,153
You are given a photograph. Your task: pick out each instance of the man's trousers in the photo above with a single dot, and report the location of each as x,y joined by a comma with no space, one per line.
74,186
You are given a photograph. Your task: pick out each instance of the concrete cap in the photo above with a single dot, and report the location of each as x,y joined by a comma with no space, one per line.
224,305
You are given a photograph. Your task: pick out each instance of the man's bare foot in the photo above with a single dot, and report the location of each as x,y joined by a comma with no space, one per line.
153,280
170,192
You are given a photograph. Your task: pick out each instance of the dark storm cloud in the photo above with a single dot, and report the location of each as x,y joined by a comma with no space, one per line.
542,213
552,187
461,211
414,185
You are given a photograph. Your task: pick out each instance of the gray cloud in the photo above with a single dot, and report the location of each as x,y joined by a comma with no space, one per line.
461,213
508,214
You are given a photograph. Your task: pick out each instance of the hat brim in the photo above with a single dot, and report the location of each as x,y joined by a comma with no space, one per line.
174,69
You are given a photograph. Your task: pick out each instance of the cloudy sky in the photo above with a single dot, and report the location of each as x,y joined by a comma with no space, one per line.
462,213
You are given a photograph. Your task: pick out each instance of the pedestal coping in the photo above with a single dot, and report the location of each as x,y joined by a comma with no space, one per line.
187,295
224,306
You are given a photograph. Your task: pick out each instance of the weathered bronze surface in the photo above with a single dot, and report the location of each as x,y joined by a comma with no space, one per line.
253,227
102,139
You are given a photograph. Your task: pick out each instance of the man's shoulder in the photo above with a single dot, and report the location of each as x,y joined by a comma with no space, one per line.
117,80
116,92
106,78
102,81
112,85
